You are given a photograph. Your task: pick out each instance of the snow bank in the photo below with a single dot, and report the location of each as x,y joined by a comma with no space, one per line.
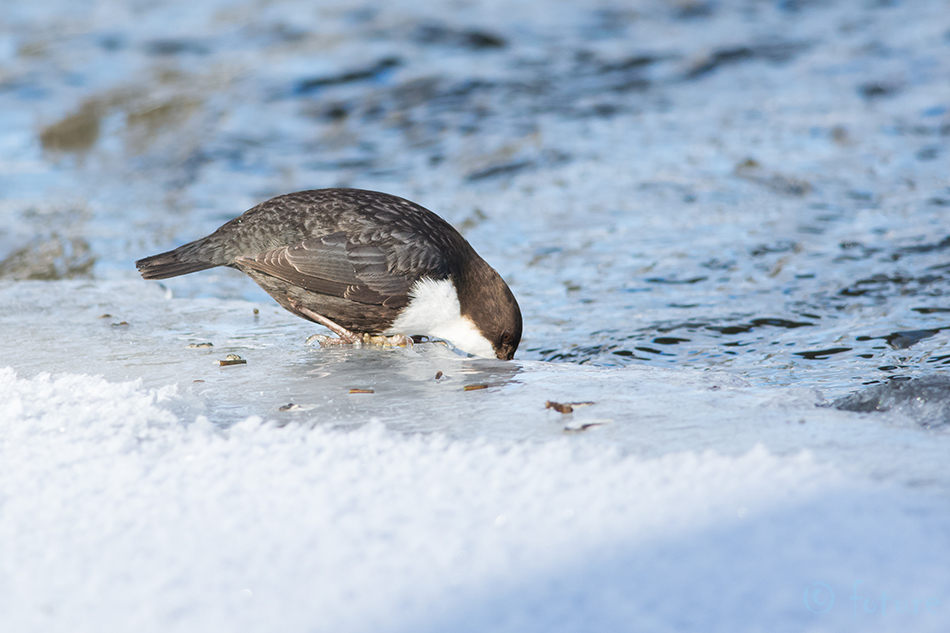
117,515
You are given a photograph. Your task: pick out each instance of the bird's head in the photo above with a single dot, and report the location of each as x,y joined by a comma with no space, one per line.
494,311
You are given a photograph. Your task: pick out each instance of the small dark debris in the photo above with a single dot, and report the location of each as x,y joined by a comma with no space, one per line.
565,407
232,359
474,387
199,345
120,324
583,426
362,391
438,375
290,406
559,407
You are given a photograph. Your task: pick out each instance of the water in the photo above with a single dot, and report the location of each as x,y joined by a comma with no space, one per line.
718,218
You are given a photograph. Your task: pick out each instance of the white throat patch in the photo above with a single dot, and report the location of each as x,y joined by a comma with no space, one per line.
434,310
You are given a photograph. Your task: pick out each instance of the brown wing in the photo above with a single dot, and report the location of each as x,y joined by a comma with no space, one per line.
336,266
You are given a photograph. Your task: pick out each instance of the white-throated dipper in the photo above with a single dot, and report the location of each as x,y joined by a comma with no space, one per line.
361,262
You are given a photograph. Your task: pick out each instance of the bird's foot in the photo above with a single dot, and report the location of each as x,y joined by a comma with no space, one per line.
327,341
398,340
347,337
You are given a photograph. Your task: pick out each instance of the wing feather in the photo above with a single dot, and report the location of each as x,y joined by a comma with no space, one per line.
343,267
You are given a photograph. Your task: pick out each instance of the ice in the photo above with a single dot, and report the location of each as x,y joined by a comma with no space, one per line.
725,223
924,399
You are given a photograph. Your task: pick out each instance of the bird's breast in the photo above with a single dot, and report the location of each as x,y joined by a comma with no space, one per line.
434,310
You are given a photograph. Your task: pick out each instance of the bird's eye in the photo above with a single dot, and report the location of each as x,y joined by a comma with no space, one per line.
506,337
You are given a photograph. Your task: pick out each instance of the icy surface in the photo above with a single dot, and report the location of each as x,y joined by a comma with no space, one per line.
720,219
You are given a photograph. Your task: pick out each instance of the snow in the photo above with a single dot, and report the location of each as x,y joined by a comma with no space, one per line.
117,514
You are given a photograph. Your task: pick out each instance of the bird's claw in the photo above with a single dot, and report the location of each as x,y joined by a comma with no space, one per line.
398,340
346,337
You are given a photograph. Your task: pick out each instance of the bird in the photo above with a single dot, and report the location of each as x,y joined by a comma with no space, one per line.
365,264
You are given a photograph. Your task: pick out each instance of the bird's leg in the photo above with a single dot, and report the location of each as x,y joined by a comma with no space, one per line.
347,337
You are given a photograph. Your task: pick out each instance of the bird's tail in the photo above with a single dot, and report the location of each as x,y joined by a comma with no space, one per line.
181,261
